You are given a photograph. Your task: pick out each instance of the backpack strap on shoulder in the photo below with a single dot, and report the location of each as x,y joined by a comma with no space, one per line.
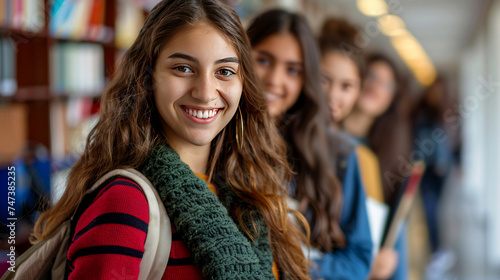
159,237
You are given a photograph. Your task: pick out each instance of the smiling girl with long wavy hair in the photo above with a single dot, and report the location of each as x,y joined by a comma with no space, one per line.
184,105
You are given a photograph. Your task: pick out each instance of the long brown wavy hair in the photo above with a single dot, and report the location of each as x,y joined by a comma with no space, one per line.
304,128
129,128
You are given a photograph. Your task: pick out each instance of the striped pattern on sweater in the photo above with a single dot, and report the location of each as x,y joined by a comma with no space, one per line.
109,234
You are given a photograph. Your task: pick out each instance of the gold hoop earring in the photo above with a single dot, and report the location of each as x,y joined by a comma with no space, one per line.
239,129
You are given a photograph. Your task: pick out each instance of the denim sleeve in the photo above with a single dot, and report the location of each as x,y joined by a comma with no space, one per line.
354,260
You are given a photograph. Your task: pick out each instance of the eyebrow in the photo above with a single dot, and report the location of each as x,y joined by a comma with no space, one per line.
193,59
185,56
227,59
326,77
293,63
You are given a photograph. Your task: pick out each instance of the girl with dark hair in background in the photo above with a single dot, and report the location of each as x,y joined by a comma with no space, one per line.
379,120
185,110
287,62
437,154
343,69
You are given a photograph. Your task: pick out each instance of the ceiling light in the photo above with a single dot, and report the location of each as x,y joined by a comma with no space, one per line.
392,25
373,8
415,57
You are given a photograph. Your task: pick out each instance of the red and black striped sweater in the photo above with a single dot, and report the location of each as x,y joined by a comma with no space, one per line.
109,234
108,237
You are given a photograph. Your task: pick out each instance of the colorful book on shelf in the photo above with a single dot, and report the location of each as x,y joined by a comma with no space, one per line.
403,205
33,15
78,20
96,21
28,15
58,15
17,15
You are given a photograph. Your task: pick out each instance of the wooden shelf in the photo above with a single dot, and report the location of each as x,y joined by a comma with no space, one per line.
14,33
32,94
107,43
43,93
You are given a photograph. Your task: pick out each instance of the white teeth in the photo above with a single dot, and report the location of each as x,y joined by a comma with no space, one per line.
201,114
271,97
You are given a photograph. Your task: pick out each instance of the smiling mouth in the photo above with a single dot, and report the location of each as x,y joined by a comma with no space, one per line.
201,113
272,96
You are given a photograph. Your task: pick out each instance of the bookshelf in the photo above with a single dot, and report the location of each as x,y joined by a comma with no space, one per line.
53,52
56,57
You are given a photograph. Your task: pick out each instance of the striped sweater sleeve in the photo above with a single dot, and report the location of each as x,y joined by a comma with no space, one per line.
109,236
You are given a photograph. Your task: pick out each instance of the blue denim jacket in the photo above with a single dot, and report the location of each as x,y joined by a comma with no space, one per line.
354,260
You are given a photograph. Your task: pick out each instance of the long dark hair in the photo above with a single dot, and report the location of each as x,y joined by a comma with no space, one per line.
390,135
304,129
128,128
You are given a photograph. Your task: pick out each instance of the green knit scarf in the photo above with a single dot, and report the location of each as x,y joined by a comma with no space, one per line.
216,242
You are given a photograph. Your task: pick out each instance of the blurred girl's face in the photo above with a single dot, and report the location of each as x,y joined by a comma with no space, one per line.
279,65
378,90
341,83
196,86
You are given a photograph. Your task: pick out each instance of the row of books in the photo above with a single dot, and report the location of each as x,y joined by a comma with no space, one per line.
79,20
26,15
8,82
77,69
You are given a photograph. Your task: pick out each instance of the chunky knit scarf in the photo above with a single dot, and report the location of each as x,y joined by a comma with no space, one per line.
216,242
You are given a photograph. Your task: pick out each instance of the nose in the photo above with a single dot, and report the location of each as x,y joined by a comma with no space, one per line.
333,96
274,77
205,88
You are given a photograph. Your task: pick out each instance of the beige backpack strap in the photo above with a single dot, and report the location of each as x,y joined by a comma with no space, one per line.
159,237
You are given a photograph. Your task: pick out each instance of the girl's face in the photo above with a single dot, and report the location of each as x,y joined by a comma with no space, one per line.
378,89
341,83
278,64
196,86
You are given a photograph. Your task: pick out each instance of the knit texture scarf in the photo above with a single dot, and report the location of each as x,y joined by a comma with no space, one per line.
216,242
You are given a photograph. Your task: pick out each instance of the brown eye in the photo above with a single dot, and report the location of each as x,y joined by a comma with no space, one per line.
183,69
225,72
293,71
346,86
263,61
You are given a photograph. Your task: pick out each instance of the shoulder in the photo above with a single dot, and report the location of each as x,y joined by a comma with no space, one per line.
109,231
366,156
117,200
343,143
120,193
342,152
